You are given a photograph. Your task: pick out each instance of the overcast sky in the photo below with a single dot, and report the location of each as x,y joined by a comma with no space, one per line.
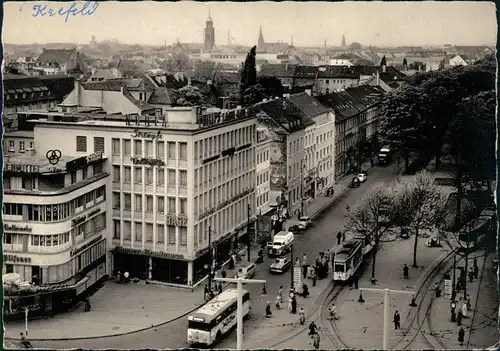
310,23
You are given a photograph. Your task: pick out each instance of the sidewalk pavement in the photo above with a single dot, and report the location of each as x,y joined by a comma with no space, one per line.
481,324
116,309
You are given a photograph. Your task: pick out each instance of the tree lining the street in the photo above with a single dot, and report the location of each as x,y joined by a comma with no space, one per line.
418,116
372,218
420,206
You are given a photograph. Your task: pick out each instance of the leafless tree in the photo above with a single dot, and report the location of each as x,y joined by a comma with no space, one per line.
372,218
420,206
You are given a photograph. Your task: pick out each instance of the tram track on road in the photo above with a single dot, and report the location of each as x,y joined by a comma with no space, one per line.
330,293
403,343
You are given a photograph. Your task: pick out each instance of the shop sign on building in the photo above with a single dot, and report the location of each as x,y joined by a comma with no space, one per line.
78,220
146,135
147,161
157,254
16,259
77,250
83,161
17,228
177,221
21,168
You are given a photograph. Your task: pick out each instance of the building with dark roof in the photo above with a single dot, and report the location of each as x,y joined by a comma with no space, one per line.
285,124
319,142
125,95
357,113
24,93
57,61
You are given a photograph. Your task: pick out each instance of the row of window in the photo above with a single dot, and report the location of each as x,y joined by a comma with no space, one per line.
172,176
161,234
27,95
22,145
263,157
221,222
149,203
145,148
213,197
81,144
324,136
214,145
220,170
53,213
262,178
262,199
82,230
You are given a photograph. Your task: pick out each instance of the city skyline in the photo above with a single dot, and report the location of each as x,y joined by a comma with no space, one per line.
376,24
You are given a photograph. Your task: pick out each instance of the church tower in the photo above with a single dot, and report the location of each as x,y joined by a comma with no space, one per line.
260,42
343,41
209,34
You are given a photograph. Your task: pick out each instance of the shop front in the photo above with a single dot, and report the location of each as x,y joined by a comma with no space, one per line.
221,250
151,265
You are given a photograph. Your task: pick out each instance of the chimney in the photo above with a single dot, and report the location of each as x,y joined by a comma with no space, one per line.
378,78
77,92
308,92
384,68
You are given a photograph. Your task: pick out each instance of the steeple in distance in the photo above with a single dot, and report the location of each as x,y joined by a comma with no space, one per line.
343,41
260,41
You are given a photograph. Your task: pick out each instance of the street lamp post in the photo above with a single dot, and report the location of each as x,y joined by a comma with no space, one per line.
387,293
302,204
26,320
249,211
239,283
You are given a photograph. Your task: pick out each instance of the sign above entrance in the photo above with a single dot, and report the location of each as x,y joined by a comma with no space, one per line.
149,253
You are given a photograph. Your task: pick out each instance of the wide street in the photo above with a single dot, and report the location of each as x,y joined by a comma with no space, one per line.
320,237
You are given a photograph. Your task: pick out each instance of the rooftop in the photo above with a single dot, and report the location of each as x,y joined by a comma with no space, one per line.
308,105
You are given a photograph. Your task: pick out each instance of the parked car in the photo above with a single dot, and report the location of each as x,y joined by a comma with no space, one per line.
246,272
362,177
304,223
354,182
280,265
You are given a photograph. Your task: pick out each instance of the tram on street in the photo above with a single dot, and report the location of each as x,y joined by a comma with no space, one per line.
349,258
216,318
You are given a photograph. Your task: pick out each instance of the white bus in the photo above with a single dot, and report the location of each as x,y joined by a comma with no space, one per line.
213,320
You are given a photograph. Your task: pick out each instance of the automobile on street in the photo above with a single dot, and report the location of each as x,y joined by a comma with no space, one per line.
280,265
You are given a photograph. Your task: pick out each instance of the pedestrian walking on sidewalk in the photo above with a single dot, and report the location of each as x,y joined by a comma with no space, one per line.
290,305
406,271
278,302
461,336
343,237
312,328
468,302
280,292
397,320
294,305
464,309
476,271
459,318
268,310
205,293
316,340
339,237
304,265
